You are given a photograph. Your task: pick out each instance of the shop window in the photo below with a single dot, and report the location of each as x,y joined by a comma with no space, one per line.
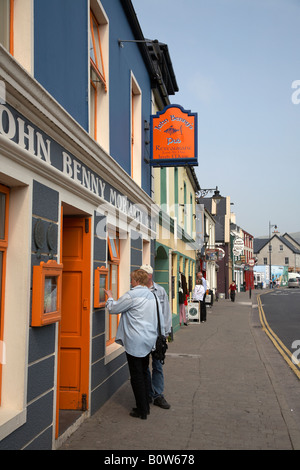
46,293
4,195
101,285
96,55
6,24
98,84
113,284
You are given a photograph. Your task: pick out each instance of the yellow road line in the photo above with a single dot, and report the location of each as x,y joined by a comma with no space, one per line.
283,350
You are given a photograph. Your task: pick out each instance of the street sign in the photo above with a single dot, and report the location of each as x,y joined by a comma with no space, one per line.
238,262
251,262
174,137
221,253
211,254
238,244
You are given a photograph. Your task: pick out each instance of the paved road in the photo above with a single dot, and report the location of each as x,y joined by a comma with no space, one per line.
228,386
282,310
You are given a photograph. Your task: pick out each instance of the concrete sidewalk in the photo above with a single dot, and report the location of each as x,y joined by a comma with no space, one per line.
227,385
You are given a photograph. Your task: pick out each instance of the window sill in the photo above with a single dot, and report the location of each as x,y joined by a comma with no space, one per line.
112,351
10,420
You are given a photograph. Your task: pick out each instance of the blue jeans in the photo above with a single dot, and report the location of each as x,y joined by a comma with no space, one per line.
156,382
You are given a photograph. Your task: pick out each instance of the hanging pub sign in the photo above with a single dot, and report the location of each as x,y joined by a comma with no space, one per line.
174,137
211,254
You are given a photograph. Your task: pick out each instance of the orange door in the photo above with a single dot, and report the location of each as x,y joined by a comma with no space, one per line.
75,323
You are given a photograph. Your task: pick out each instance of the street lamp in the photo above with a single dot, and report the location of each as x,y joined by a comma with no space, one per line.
206,239
216,197
270,251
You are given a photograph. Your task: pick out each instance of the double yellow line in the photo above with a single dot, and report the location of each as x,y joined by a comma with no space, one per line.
285,353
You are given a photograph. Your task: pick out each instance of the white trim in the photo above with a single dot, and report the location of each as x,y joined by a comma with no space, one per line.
16,311
136,103
23,30
113,351
10,421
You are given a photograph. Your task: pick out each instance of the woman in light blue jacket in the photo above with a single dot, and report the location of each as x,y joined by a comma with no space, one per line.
137,332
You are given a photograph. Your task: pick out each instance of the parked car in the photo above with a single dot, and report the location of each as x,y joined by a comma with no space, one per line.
293,282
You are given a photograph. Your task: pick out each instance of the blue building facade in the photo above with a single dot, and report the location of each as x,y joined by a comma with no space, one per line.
62,60
76,207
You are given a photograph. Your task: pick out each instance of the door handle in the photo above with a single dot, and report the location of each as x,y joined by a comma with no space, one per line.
85,304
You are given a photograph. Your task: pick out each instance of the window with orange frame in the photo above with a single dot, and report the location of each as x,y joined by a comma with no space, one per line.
112,323
4,205
96,55
97,72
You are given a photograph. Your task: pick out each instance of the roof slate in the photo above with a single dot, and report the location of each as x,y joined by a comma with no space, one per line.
259,244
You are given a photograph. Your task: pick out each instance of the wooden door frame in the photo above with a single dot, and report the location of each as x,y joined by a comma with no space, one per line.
87,379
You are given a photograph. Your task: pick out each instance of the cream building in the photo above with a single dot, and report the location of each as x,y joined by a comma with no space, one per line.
279,251
174,191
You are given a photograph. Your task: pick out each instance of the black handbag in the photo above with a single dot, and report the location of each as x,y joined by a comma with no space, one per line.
161,342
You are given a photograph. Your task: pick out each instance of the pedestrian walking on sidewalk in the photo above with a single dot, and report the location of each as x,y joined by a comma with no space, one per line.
232,291
198,296
182,296
156,379
204,283
137,332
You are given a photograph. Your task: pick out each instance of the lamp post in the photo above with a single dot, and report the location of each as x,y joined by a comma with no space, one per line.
270,251
206,239
216,197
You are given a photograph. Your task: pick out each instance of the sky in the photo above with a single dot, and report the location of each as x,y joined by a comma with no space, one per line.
236,63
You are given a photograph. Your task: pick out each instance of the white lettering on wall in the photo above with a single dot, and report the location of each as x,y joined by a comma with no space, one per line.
26,135
11,131
29,138
79,173
41,146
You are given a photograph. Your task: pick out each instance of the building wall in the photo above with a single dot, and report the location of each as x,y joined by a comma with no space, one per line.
53,167
210,272
278,255
108,367
124,62
222,234
224,277
62,46
174,253
176,196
